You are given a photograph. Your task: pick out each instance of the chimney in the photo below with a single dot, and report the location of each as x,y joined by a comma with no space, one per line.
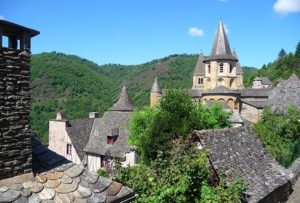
15,133
59,116
93,115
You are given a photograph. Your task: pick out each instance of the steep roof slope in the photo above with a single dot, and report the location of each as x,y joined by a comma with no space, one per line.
79,131
238,151
285,93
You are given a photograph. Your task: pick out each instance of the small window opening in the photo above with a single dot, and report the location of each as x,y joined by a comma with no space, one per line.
69,149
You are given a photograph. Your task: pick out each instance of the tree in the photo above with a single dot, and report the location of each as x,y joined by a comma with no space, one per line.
282,53
153,130
297,52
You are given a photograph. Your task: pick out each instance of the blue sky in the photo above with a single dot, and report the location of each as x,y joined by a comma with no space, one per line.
137,31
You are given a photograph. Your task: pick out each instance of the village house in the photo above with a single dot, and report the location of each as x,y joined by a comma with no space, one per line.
95,141
29,171
219,78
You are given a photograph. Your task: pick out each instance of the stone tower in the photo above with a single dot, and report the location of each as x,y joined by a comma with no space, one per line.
155,93
199,73
221,65
239,73
15,134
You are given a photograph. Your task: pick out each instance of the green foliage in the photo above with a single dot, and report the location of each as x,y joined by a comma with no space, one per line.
103,173
282,53
182,177
249,74
283,67
153,130
280,133
222,193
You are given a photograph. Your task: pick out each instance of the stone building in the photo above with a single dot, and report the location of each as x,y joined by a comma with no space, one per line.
219,78
261,82
95,141
29,171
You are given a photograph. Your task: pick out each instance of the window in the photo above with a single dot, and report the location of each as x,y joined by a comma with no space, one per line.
110,140
69,149
102,162
221,68
231,68
200,80
208,69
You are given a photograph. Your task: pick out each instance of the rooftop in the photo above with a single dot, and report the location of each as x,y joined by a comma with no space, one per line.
239,152
123,102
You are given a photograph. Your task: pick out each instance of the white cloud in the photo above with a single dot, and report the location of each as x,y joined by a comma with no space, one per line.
195,32
286,6
2,17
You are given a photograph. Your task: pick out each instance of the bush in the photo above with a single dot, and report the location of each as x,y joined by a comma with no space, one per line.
280,133
103,173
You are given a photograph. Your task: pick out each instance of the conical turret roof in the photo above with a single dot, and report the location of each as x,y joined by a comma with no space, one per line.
239,70
200,66
123,102
221,48
155,87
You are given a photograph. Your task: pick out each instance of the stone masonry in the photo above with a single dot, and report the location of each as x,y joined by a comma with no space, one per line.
15,146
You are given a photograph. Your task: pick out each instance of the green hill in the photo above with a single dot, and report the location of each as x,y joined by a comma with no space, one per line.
76,86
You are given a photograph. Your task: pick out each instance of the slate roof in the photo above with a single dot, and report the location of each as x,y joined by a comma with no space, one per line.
239,70
58,180
200,66
248,92
286,92
196,92
264,80
220,90
155,87
79,132
116,119
238,151
221,48
257,104
103,127
123,102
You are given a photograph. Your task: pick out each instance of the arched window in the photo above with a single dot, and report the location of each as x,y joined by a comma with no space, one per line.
231,82
221,82
231,68
221,68
200,81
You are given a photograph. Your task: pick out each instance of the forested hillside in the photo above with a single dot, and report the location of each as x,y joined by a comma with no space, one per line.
283,66
77,86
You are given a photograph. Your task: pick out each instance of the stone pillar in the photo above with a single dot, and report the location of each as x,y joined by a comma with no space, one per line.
15,144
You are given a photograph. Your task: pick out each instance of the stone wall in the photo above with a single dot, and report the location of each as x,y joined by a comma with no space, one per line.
250,113
15,143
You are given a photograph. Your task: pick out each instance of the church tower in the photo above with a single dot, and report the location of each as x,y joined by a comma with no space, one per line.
221,65
155,93
199,73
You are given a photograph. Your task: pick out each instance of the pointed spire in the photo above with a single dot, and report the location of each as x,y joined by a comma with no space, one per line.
155,87
239,70
200,66
221,48
123,102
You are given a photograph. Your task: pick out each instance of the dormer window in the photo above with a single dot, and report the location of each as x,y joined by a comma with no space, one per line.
221,68
113,136
110,140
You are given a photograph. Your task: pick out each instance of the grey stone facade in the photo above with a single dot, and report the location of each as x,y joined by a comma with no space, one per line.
15,145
